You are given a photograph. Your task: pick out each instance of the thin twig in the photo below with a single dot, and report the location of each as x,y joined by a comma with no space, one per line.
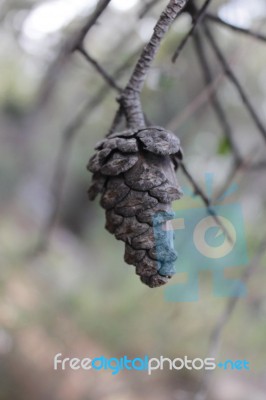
108,78
231,75
248,32
201,99
112,83
80,36
68,47
196,187
130,97
59,175
93,102
206,200
242,167
216,334
197,18
217,106
259,165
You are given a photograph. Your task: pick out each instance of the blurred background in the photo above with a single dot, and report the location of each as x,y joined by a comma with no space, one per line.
64,285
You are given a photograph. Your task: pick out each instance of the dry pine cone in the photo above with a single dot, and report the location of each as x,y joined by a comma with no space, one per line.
134,171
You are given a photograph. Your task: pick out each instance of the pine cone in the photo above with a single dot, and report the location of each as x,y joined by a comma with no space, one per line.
134,171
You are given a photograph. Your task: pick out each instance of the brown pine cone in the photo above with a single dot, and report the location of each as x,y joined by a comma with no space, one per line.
134,171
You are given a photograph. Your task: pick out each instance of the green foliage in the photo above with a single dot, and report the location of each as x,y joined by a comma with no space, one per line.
224,147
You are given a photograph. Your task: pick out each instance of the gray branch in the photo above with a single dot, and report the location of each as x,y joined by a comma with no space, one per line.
130,97
196,19
108,78
235,81
248,32
216,104
216,334
68,47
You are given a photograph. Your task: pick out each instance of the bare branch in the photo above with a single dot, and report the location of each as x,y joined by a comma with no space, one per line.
93,102
62,159
68,47
217,106
248,32
201,99
205,200
130,97
80,36
241,166
216,334
231,75
197,18
196,187
259,165
109,80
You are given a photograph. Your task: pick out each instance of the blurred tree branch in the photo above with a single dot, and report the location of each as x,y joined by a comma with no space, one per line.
67,139
196,19
248,32
216,333
235,81
217,106
109,80
70,45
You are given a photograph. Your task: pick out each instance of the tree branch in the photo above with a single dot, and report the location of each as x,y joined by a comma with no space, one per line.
68,47
130,98
108,78
196,19
248,32
205,200
80,36
216,334
64,151
231,75
217,106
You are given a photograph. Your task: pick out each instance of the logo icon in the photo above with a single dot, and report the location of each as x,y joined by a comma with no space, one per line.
213,242
205,233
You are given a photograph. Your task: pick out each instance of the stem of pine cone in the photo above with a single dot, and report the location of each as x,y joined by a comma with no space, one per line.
130,97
